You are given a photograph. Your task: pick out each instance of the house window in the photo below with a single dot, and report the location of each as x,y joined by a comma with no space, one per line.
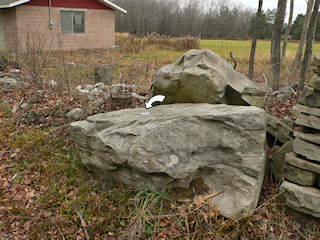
72,21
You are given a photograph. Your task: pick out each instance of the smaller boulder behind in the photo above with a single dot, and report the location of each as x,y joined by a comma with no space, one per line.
201,76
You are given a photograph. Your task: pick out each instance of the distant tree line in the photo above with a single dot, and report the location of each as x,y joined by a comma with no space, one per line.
297,25
211,19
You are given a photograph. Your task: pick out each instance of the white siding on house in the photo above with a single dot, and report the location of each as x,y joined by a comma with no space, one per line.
2,42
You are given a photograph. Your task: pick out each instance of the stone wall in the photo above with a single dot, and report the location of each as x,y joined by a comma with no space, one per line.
302,167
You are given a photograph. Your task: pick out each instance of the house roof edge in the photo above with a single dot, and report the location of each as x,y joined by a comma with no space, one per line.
13,4
113,6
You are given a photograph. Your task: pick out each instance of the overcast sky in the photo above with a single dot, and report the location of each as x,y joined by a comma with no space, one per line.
300,6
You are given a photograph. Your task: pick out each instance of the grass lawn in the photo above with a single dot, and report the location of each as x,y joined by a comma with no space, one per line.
242,48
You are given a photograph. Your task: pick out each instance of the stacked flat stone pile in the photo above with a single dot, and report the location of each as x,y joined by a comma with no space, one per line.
302,166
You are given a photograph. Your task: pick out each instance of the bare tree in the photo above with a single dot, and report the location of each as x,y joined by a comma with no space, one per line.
211,18
306,21
254,40
285,43
308,51
276,45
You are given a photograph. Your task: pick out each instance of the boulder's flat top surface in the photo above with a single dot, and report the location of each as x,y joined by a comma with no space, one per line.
180,110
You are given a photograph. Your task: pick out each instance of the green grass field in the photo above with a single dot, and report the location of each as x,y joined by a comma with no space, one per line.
242,48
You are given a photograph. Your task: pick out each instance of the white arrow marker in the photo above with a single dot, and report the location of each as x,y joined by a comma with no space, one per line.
158,98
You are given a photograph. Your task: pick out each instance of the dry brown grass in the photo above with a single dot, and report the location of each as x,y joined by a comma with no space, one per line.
137,43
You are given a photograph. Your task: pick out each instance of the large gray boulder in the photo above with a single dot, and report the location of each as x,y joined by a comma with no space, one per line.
201,76
171,145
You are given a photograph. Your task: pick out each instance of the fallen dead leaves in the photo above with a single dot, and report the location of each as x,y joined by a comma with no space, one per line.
280,109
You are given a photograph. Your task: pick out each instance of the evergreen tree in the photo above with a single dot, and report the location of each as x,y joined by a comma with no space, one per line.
297,26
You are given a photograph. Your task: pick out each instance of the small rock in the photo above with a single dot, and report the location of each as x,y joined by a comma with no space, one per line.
59,102
75,114
287,91
53,83
97,89
310,97
281,131
309,121
299,108
103,74
139,99
84,91
303,199
299,176
123,88
88,87
281,97
101,86
310,137
114,47
24,105
316,70
8,84
97,92
317,59
296,161
97,102
288,121
278,159
14,70
306,149
315,82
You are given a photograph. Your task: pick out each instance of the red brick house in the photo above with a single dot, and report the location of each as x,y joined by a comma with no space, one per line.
57,24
